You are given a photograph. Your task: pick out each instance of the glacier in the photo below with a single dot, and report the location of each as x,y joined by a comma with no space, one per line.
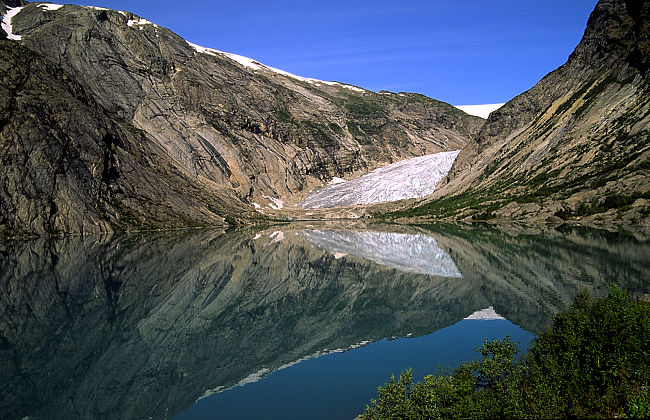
409,178
413,253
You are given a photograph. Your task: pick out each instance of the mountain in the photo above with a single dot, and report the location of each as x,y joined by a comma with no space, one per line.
173,134
574,147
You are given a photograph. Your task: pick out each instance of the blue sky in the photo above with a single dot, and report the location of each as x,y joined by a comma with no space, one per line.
461,52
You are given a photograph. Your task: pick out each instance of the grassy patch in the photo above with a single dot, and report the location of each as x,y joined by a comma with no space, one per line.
336,129
595,206
284,116
364,107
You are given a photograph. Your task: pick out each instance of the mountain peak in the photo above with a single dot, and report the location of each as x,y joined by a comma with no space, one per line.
574,146
618,31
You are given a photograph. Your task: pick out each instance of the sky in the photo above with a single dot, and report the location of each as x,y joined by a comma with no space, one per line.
463,52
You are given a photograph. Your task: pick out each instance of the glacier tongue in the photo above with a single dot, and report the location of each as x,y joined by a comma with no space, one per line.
406,252
410,178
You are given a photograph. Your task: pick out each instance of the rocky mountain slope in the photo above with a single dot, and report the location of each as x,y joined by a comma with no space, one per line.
67,166
575,146
224,130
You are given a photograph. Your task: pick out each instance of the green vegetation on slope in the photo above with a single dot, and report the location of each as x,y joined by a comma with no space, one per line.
594,361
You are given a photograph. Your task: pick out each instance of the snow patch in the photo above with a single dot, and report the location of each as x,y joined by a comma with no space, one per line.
50,6
354,88
336,180
245,61
276,203
203,50
6,23
256,65
257,206
253,377
410,178
263,372
140,22
259,235
482,111
485,314
277,236
405,252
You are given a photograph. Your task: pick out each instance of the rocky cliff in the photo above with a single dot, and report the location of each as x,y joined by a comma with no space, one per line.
68,166
575,146
233,131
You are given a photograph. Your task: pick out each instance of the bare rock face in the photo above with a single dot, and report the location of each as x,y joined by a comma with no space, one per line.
241,132
4,4
574,146
67,166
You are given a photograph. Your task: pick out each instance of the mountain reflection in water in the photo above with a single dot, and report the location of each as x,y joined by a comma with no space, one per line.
142,325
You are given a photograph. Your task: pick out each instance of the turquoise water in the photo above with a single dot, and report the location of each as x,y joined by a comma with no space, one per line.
145,325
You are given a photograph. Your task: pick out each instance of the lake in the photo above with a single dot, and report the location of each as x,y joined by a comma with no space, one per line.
294,321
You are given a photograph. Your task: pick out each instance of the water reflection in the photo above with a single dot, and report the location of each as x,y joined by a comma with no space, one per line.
414,253
142,325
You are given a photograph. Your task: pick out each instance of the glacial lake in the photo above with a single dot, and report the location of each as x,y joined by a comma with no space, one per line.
290,322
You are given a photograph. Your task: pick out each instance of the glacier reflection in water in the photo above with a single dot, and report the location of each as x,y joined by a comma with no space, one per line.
413,253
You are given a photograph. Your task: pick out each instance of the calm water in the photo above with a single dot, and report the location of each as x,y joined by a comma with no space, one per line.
291,322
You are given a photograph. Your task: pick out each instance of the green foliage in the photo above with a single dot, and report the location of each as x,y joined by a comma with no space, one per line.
614,201
336,129
577,95
594,361
364,107
594,92
284,116
595,358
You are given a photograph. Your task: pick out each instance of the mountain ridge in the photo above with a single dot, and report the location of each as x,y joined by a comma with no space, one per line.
235,141
244,135
574,148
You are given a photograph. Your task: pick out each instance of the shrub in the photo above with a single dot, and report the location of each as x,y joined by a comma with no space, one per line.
593,361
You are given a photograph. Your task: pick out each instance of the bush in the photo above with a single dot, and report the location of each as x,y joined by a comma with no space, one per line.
594,361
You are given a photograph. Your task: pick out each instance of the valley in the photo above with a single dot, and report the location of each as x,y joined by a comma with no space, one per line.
168,134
